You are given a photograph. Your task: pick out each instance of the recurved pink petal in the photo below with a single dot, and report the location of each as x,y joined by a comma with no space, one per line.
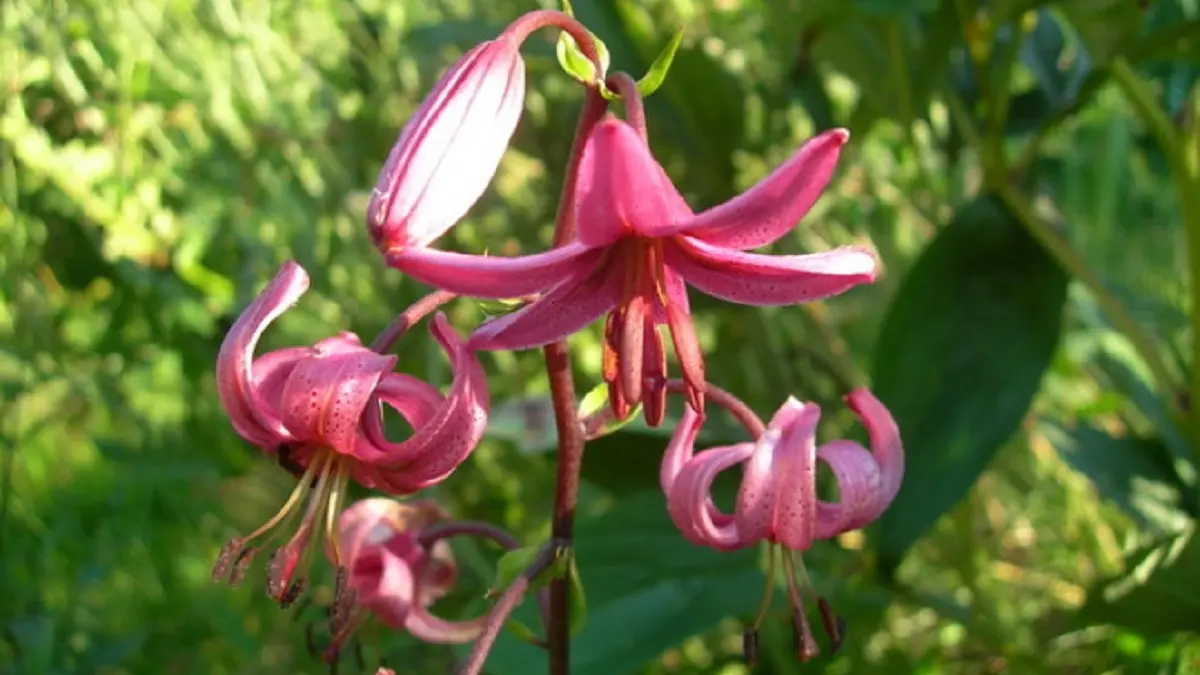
755,279
565,309
417,401
387,585
622,190
493,277
690,501
327,392
447,439
450,149
771,208
252,417
858,485
686,479
867,481
435,630
884,435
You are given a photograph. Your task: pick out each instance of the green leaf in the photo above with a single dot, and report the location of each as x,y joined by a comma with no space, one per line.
578,598
1106,27
512,565
594,401
657,73
572,58
1133,473
959,358
1157,596
650,590
894,7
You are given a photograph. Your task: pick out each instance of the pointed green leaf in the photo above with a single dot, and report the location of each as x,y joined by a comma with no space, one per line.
576,64
511,565
578,599
657,73
959,358
594,401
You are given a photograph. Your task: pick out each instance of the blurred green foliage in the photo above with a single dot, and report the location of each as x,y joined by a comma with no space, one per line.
1011,161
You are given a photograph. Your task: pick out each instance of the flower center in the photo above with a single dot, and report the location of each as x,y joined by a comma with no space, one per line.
634,357
321,490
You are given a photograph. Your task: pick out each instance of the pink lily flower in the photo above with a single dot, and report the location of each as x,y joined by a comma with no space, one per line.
450,149
394,573
637,246
318,408
777,502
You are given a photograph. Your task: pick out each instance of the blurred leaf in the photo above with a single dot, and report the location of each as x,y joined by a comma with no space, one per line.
1059,75
1157,596
1133,473
960,355
650,589
1105,26
657,73
1118,366
894,6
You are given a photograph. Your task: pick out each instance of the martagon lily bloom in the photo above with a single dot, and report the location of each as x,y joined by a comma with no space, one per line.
777,502
637,246
395,571
319,408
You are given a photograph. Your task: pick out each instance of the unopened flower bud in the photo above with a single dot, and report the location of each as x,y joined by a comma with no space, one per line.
450,148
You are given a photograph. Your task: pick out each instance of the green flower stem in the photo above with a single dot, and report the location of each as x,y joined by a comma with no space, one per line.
1181,153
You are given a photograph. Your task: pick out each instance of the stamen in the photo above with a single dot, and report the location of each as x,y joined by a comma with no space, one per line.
230,553
315,466
835,626
293,593
242,564
803,643
805,646
765,604
337,493
750,646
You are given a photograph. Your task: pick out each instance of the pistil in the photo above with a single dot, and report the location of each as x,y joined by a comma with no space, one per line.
323,485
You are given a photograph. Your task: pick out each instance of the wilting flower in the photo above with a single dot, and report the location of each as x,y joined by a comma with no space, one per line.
396,564
637,244
450,149
319,408
777,502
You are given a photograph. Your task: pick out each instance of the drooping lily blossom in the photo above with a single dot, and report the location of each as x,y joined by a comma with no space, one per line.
392,570
319,407
637,245
777,502
450,148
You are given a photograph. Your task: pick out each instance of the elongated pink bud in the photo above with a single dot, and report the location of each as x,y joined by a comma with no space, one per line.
450,149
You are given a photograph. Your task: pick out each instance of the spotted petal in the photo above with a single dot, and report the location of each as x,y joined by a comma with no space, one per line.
327,392
770,209
238,386
448,438
484,276
754,279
